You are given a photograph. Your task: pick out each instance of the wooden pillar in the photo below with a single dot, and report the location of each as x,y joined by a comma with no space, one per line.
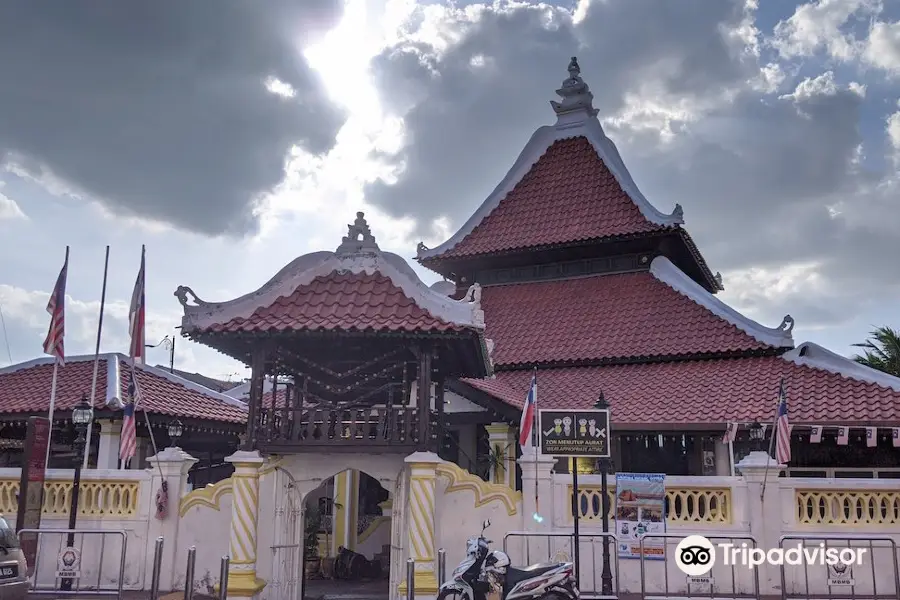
257,385
439,408
424,400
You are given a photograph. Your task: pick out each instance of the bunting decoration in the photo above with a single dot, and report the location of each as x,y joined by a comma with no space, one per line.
815,434
895,435
843,436
871,437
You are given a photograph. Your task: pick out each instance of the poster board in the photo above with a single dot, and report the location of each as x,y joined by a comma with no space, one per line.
31,485
640,509
574,433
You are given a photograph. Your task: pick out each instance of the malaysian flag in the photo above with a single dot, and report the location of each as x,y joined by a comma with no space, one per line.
53,344
526,425
730,433
783,431
136,315
128,439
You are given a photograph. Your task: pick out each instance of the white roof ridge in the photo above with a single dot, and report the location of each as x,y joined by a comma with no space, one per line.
578,122
812,355
665,271
49,360
191,385
352,256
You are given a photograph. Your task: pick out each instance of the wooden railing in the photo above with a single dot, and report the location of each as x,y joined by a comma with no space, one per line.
286,430
847,507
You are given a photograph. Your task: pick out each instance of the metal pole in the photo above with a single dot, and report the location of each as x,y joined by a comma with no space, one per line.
410,579
189,575
576,509
223,578
157,568
606,577
79,444
442,566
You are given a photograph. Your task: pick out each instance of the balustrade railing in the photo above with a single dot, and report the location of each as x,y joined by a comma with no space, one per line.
847,507
114,499
369,426
683,505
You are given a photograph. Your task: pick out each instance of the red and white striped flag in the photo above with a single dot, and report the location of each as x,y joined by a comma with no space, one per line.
53,344
783,431
730,433
128,438
871,437
136,315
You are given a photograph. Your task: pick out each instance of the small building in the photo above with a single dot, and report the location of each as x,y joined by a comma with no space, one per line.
212,421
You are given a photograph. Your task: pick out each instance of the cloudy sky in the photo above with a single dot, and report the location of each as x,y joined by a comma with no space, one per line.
230,141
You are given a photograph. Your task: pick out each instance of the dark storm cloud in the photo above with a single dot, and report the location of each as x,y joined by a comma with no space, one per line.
766,179
472,107
159,108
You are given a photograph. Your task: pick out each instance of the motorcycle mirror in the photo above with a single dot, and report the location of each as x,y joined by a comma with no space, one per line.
485,525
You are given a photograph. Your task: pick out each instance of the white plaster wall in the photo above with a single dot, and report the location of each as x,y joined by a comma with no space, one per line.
209,530
458,518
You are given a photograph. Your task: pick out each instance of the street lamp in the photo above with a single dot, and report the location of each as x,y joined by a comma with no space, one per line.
603,464
175,431
82,415
756,436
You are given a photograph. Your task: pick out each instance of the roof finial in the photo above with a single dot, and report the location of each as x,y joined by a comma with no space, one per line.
359,238
575,94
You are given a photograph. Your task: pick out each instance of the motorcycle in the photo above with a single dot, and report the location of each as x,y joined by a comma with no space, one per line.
484,570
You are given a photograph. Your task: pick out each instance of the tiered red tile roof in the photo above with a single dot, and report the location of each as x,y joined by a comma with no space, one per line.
348,301
672,394
630,315
569,195
25,390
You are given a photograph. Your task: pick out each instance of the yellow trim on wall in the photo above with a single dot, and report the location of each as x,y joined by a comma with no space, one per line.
211,495
484,492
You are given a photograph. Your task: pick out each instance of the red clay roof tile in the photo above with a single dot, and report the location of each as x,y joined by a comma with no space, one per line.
569,195
27,391
606,316
351,301
705,392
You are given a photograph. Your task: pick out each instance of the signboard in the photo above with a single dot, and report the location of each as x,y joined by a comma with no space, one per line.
31,485
840,574
640,509
574,433
68,563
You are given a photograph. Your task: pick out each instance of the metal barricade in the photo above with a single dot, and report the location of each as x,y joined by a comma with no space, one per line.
704,586
545,547
442,567
95,587
880,577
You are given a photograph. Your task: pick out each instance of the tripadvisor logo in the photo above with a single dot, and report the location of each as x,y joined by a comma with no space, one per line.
695,555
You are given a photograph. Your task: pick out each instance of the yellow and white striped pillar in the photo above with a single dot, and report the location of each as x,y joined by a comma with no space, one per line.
502,440
420,523
346,510
242,579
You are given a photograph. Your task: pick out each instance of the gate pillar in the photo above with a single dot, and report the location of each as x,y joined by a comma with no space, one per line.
242,579
420,522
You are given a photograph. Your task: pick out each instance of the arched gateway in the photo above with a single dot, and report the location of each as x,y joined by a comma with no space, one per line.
356,350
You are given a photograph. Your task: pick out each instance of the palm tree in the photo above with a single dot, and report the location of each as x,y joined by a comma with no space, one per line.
882,351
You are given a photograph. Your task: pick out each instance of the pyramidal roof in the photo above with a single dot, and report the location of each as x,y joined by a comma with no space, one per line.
356,287
569,184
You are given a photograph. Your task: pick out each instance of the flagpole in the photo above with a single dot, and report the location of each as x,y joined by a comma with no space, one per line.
534,445
762,492
731,452
53,381
96,360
